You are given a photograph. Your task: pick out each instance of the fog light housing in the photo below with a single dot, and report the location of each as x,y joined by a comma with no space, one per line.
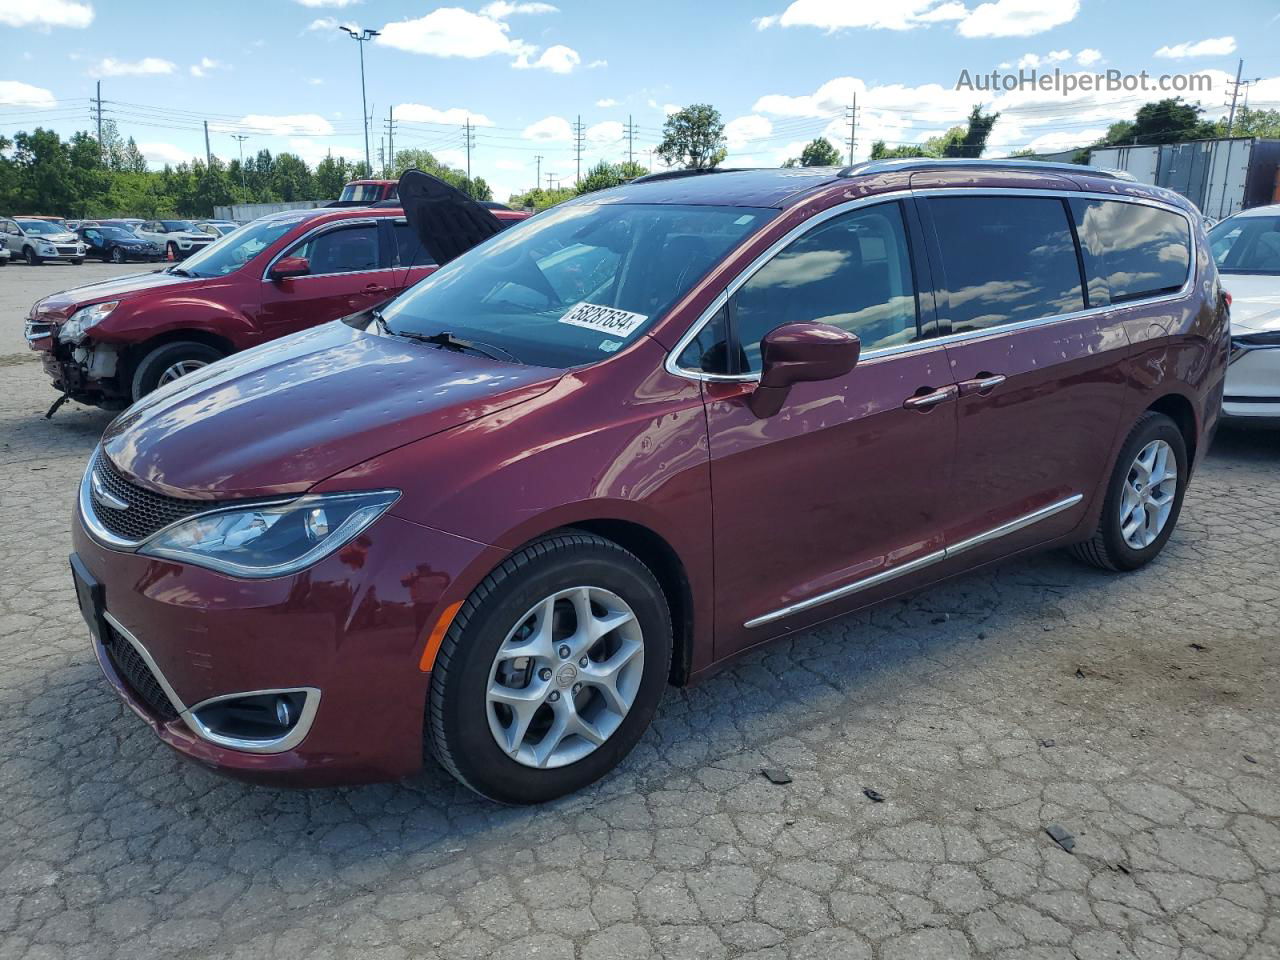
262,721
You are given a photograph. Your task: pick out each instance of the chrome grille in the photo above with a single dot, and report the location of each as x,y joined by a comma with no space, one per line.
146,513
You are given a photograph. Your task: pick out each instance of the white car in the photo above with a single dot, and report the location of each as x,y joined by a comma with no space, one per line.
1246,248
38,240
217,228
177,239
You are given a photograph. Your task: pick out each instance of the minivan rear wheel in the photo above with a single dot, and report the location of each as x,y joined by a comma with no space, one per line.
1144,497
169,362
551,670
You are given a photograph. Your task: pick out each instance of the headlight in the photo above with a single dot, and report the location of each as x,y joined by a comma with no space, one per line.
74,330
271,540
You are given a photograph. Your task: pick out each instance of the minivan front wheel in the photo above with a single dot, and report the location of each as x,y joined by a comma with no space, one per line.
1144,497
551,670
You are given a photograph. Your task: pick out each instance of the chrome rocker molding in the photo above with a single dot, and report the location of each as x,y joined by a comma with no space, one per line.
295,736
919,563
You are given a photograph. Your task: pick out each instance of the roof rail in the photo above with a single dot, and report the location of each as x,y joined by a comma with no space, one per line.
673,174
1010,163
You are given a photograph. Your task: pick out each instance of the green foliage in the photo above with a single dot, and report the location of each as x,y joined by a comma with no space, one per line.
540,199
1251,123
1161,121
818,152
605,174
694,138
967,141
427,162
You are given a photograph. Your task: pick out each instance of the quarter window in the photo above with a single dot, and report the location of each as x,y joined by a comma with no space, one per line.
345,250
1131,250
1005,260
853,272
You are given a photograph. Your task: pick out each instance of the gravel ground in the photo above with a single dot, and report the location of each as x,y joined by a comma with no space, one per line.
1139,713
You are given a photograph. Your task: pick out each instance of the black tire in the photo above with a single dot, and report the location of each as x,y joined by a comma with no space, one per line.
77,261
457,721
33,259
146,376
116,255
1107,548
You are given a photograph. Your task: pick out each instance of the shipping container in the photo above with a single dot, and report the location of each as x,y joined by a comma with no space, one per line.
244,212
1221,177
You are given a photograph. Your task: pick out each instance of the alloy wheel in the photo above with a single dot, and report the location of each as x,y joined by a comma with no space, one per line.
179,369
565,677
1148,495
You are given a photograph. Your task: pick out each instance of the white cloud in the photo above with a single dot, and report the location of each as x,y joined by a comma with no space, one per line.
1088,57
511,165
1032,61
14,93
1065,140
167,153
549,129
297,124
610,131
557,59
313,151
44,14
452,32
1212,47
1017,18
453,158
607,102
146,67
740,131
339,4
421,113
204,66
831,15
315,81
501,9
596,64
327,24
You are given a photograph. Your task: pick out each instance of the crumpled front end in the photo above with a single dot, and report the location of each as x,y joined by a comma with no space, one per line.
87,372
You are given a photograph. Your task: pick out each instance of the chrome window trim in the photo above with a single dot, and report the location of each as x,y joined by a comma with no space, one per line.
297,733
884,576
672,366
317,231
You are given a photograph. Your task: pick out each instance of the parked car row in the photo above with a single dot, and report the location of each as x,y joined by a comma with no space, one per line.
37,239
497,510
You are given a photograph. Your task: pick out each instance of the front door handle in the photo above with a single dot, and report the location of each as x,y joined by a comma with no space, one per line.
375,288
927,401
981,384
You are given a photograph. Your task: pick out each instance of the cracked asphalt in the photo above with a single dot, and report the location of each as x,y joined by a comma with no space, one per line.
1141,713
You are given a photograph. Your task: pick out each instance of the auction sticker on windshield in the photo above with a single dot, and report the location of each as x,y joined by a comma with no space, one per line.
620,323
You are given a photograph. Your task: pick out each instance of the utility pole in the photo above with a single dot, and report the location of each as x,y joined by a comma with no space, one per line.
98,103
471,140
208,151
550,177
242,138
361,38
1235,92
631,140
537,180
391,139
851,114
577,146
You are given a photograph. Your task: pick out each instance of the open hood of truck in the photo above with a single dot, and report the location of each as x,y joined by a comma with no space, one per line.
448,222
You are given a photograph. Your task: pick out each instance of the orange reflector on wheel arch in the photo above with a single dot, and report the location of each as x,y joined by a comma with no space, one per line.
437,637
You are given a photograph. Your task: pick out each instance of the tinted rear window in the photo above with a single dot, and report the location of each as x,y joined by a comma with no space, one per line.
1006,259
1131,250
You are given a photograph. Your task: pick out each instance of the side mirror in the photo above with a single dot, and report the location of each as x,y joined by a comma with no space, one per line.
800,353
287,267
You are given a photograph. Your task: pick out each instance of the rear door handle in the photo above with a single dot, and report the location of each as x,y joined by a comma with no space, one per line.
981,384
927,401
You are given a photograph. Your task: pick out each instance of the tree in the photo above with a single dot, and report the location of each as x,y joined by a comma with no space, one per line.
1252,123
694,138
818,152
1169,121
973,139
291,178
880,151
331,176
540,199
605,174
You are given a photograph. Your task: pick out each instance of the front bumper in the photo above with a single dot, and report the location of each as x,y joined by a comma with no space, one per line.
352,628
1253,382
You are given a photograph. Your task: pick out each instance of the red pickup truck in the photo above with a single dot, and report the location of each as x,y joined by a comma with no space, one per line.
109,343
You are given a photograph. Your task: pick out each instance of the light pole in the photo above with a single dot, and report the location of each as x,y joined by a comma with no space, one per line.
360,37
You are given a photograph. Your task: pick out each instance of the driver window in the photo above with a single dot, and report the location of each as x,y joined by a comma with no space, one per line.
345,250
853,272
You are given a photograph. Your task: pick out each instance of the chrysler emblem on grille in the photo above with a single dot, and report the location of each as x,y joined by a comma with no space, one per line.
105,496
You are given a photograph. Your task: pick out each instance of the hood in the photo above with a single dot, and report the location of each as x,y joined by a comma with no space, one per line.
1255,302
282,417
61,305
447,221
64,237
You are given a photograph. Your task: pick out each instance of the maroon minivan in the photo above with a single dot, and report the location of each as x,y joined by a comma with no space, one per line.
647,431
112,342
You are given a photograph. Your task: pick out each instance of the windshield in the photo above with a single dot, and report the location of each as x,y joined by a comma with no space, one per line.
1247,245
182,225
576,283
233,250
115,233
362,192
42,227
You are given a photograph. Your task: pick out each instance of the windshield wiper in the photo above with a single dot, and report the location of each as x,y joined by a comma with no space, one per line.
179,272
447,341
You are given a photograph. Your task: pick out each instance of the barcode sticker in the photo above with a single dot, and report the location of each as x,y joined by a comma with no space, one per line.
619,323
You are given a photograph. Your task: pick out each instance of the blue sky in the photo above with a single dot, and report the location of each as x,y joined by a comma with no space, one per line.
781,73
